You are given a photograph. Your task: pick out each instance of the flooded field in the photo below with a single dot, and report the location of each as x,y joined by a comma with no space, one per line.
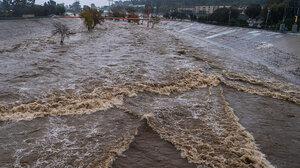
179,95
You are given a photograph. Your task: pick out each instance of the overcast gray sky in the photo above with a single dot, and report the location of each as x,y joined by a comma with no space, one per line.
98,3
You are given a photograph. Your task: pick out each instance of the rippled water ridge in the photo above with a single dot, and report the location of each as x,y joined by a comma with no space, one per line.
179,95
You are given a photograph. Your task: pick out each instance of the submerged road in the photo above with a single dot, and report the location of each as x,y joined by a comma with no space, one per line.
258,51
265,54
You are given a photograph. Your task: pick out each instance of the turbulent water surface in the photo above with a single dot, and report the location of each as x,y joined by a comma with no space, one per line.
179,95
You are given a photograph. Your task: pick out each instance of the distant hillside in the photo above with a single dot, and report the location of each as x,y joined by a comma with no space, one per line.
192,3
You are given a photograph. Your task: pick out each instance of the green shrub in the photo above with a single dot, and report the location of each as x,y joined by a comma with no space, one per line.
91,17
238,22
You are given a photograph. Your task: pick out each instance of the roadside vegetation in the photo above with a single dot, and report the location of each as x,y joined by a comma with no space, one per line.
268,15
118,12
164,6
91,17
17,8
155,20
253,11
132,14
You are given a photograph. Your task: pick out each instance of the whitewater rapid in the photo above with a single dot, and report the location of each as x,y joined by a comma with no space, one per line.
85,103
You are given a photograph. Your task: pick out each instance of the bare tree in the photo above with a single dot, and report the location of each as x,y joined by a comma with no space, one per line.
61,29
155,20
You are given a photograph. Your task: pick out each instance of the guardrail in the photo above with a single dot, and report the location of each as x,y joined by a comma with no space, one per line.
119,18
107,18
23,18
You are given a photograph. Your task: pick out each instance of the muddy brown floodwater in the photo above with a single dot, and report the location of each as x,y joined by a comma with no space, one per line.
180,95
149,150
273,123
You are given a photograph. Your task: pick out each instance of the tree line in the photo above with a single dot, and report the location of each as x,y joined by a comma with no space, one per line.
281,11
162,6
276,11
17,8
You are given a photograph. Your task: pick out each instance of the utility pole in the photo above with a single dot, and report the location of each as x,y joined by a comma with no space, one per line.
229,13
284,15
295,26
296,20
269,10
110,3
282,26
109,8
147,7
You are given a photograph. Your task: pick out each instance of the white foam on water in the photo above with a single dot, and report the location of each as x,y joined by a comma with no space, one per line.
220,34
